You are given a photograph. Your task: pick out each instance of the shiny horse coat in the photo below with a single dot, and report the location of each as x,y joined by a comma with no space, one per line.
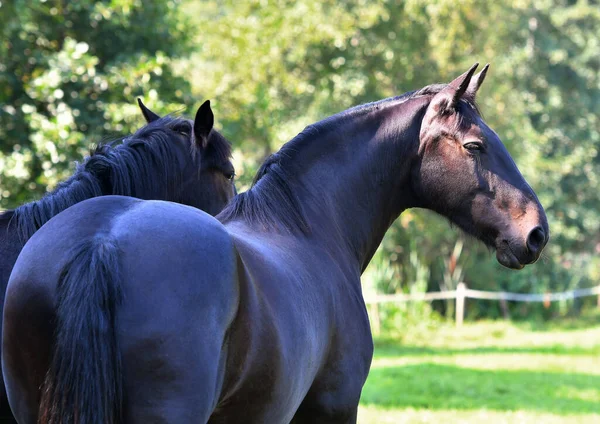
256,316
163,160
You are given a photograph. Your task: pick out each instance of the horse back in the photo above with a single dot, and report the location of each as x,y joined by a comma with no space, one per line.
177,297
29,308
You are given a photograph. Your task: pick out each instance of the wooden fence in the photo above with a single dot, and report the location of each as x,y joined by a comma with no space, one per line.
462,292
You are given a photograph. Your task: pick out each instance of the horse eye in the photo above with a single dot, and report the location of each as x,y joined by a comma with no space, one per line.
473,146
229,175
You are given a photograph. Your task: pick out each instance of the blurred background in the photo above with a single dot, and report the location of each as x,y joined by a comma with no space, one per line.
70,73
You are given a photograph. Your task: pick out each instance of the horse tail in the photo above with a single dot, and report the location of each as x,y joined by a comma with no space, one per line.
84,382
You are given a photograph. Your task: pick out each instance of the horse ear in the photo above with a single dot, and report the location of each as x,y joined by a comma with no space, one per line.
476,82
203,124
449,97
148,114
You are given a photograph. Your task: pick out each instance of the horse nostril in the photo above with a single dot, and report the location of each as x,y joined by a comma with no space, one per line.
536,239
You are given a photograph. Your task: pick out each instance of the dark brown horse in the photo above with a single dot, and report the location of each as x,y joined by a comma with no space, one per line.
164,160
257,317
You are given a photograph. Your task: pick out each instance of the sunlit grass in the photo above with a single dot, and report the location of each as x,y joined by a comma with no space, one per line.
374,415
492,372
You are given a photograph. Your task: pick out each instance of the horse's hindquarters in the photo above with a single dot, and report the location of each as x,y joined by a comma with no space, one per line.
180,297
26,344
174,297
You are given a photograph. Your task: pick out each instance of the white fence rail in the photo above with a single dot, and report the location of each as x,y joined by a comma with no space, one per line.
462,292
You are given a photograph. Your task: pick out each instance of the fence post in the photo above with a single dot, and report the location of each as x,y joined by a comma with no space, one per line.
460,303
505,309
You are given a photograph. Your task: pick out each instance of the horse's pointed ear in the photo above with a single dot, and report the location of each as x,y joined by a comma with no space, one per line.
148,114
449,97
203,124
476,82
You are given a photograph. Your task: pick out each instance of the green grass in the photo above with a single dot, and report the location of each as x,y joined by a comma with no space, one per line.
487,372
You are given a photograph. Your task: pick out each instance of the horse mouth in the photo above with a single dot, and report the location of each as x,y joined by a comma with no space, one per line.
506,257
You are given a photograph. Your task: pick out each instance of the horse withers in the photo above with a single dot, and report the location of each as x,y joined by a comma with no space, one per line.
256,316
170,158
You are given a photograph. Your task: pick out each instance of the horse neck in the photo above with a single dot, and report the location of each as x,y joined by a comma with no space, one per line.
358,179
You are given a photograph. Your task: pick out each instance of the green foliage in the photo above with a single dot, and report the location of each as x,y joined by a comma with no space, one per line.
397,319
486,372
277,66
69,76
70,72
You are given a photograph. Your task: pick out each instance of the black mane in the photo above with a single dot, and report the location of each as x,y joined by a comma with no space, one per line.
270,202
144,165
270,196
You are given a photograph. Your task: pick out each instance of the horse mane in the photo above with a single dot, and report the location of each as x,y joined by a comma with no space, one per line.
144,165
270,202
7,215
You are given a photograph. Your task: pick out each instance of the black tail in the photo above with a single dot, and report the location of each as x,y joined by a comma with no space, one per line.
84,382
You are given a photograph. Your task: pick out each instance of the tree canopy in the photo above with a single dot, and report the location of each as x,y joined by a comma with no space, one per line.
70,72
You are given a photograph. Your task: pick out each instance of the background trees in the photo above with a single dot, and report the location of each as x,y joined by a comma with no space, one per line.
70,72
69,75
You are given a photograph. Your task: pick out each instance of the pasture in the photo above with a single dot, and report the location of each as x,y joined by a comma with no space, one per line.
492,372
281,270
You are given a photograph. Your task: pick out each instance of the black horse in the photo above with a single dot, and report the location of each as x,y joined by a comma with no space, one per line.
171,159
257,316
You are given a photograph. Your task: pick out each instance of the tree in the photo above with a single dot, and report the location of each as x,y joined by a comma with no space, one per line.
69,73
277,66
69,76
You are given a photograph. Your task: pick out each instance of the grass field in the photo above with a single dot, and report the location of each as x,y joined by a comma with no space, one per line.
490,372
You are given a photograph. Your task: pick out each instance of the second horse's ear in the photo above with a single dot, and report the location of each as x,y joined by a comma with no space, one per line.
148,114
203,124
